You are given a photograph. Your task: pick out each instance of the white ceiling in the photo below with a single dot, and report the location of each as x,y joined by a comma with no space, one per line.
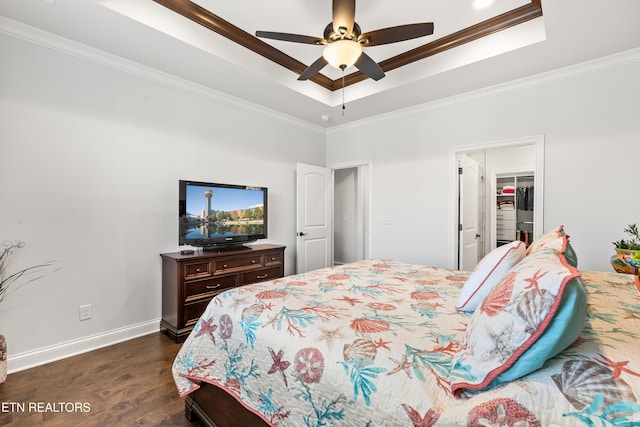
570,32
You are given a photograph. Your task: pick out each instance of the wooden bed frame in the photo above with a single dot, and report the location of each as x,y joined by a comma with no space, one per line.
216,408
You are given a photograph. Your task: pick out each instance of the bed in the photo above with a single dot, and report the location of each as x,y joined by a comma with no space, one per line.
386,343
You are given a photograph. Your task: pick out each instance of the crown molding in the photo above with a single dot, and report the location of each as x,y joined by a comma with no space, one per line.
564,73
51,41
45,39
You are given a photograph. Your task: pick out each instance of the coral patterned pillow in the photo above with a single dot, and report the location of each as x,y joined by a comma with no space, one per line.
515,315
555,239
558,240
488,273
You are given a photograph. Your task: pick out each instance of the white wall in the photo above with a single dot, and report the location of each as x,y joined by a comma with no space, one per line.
589,118
90,158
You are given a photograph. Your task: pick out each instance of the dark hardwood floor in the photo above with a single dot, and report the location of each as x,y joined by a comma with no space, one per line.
126,384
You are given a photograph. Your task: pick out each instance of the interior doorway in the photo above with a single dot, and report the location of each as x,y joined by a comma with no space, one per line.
351,212
333,210
493,159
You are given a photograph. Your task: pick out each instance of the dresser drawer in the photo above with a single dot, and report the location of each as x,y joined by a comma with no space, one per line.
197,270
261,275
209,287
238,264
273,258
193,311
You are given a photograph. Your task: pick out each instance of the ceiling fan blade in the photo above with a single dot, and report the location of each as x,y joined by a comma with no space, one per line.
297,38
396,34
344,15
313,69
369,67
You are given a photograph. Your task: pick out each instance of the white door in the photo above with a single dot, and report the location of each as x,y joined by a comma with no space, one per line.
314,190
468,211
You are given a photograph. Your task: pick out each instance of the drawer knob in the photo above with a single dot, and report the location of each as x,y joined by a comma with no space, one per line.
217,285
253,261
273,258
197,270
224,265
264,276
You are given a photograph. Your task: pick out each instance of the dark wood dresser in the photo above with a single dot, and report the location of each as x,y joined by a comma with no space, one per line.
189,282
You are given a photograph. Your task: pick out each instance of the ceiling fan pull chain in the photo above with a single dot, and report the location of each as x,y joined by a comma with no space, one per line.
343,107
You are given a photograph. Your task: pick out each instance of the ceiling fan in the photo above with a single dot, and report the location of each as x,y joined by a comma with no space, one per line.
344,41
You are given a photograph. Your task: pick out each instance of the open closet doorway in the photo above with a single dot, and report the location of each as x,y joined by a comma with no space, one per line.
486,202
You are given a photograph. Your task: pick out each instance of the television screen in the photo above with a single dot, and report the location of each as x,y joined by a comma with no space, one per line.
221,214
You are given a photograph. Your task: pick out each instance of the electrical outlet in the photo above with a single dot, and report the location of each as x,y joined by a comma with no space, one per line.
85,312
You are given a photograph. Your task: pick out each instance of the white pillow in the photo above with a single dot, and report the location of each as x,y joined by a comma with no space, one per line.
488,273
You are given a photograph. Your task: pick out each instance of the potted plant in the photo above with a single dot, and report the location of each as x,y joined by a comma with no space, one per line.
627,257
26,275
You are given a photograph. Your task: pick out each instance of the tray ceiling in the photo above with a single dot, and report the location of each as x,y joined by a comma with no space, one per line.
212,44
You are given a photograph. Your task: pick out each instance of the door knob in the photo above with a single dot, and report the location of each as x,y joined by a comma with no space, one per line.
302,234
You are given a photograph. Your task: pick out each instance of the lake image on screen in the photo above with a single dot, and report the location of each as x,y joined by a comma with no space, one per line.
221,211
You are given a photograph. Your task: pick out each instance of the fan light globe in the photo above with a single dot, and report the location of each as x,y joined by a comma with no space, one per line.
342,54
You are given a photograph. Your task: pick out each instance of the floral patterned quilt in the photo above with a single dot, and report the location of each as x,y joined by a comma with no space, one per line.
371,343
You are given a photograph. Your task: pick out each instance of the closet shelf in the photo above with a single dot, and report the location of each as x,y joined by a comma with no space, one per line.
514,211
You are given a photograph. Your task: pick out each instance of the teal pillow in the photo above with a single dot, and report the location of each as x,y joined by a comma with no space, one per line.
534,313
564,330
570,255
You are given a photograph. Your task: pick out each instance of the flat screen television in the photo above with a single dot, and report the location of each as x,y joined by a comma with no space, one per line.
213,216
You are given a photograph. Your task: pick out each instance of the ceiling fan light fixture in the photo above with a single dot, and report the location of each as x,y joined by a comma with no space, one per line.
342,54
